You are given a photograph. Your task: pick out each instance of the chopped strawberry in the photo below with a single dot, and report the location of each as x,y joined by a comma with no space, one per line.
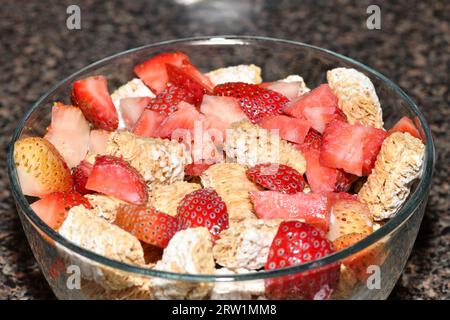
255,101
179,78
312,208
296,243
319,106
116,177
290,90
191,70
196,169
352,148
54,207
168,101
290,129
277,177
92,96
98,140
132,108
80,175
313,140
147,224
221,112
203,208
181,122
336,196
69,122
148,124
153,71
405,124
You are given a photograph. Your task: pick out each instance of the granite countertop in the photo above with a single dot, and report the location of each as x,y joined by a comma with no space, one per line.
412,48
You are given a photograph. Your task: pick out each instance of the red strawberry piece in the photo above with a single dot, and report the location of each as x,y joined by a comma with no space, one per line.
153,71
92,96
336,196
405,124
290,90
167,101
313,140
196,169
182,123
203,208
80,175
319,106
132,108
255,101
296,243
115,177
179,78
147,224
69,122
98,141
191,70
54,207
312,208
353,148
148,124
290,129
277,177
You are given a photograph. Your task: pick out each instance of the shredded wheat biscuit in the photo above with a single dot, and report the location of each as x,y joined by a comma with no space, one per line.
104,206
241,73
166,198
243,290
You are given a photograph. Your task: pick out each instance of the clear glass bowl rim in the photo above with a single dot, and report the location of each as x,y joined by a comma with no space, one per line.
401,217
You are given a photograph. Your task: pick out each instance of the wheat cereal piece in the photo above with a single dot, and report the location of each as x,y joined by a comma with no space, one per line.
104,206
245,245
159,161
248,144
243,290
357,97
231,184
93,233
301,83
398,164
189,251
166,198
241,73
346,284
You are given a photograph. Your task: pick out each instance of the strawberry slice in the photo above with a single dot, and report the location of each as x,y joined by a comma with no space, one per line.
69,122
255,101
313,140
290,129
98,141
296,243
167,101
179,78
191,70
148,124
277,177
353,148
92,96
132,108
312,208
147,224
405,124
54,207
153,71
116,177
182,122
319,106
203,208
290,90
80,175
196,169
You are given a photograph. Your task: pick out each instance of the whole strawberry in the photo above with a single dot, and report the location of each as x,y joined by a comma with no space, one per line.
203,208
277,177
296,243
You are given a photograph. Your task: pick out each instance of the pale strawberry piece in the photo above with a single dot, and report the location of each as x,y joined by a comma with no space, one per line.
69,133
148,124
98,141
147,224
319,106
196,169
183,121
131,109
296,243
116,177
153,71
290,129
80,175
92,96
405,124
277,177
336,196
203,208
54,207
353,148
310,208
290,90
221,112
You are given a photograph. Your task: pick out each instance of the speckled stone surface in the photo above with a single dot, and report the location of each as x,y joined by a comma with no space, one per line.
412,48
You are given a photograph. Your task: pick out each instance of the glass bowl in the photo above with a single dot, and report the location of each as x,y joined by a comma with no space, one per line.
389,246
